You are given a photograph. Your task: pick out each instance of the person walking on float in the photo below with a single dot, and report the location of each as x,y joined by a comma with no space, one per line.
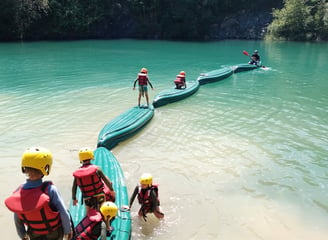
95,186
143,82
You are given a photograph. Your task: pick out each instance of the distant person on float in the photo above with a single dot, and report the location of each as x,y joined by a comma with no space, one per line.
39,210
143,81
147,193
180,80
255,58
95,186
97,223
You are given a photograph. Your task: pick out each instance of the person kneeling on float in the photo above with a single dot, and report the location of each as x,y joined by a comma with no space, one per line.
97,223
147,193
255,58
180,80
95,187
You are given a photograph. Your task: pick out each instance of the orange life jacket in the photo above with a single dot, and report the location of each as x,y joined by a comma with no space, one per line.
84,229
142,79
32,207
88,180
180,79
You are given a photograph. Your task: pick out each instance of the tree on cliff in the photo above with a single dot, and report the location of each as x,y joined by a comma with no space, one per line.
156,19
300,20
18,15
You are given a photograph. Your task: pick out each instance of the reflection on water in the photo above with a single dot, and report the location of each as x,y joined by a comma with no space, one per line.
244,158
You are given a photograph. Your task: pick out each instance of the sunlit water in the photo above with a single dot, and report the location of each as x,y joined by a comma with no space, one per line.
243,158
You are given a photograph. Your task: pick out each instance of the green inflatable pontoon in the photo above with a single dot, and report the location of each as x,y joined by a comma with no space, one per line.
215,75
244,67
174,94
124,126
112,169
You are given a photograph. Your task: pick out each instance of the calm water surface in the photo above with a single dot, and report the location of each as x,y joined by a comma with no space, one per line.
243,158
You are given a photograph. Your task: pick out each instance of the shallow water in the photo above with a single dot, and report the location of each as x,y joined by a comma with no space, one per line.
243,158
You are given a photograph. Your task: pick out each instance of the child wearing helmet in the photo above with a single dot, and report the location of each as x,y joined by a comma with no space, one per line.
95,186
97,223
147,193
180,80
143,81
39,210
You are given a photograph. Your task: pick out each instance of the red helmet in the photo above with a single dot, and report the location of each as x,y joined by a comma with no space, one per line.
182,73
144,70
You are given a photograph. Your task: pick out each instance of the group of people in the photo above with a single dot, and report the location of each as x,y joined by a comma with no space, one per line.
40,212
143,81
180,81
98,196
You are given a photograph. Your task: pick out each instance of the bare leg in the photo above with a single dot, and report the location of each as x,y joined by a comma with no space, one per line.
139,98
147,99
158,213
140,213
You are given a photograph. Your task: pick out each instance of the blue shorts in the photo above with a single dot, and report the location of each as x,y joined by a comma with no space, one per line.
143,88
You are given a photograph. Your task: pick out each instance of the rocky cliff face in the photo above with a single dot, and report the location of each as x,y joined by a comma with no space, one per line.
242,25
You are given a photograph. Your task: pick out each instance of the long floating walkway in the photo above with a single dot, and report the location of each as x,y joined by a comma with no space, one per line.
128,124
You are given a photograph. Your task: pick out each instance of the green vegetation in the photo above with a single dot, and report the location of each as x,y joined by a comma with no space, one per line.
300,20
154,19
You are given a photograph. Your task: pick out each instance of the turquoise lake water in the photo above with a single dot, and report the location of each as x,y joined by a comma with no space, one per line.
243,158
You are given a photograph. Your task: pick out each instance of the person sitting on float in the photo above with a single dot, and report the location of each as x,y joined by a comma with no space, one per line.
97,223
255,58
180,80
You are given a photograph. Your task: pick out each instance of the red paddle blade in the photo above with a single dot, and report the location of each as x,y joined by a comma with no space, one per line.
245,53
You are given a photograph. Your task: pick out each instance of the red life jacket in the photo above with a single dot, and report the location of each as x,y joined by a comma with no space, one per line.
144,198
180,79
84,229
32,207
142,78
88,180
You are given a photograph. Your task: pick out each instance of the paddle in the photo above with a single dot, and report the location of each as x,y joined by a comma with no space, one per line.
245,53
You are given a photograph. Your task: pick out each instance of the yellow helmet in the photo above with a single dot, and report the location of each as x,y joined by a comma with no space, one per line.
37,158
85,154
147,179
108,210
